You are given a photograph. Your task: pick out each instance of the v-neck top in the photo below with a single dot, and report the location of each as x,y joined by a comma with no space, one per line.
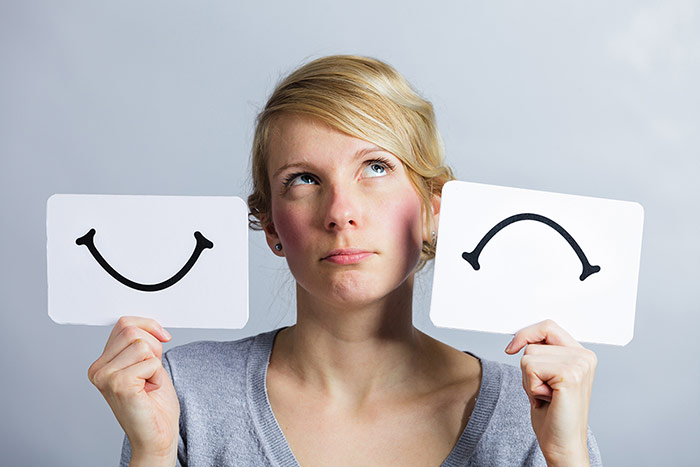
226,417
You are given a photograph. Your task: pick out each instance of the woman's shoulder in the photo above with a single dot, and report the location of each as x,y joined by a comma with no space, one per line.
504,378
499,431
214,357
503,408
501,392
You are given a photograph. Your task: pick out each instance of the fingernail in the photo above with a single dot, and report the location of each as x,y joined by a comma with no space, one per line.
166,334
510,344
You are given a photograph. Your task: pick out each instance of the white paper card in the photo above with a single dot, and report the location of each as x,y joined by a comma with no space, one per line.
508,258
182,260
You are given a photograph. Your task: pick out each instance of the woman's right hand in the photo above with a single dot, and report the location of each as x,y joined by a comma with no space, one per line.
131,377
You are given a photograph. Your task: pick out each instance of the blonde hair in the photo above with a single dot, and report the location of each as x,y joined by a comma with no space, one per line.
365,98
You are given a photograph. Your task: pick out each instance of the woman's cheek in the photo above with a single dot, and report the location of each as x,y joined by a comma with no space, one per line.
409,214
290,226
401,217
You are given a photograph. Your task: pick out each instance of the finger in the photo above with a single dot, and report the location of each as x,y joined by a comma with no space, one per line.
137,351
117,344
536,387
147,324
157,380
128,336
576,363
573,361
132,379
576,375
559,352
544,332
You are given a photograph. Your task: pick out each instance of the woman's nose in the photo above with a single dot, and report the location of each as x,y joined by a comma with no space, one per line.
341,209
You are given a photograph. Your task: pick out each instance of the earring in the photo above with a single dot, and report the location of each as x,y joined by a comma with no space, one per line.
278,247
432,235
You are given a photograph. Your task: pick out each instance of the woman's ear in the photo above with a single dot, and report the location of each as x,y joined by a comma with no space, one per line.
435,201
431,228
273,240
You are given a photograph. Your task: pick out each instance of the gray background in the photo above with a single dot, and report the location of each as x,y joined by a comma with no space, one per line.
592,98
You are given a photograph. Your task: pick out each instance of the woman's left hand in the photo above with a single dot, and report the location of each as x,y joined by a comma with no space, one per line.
558,379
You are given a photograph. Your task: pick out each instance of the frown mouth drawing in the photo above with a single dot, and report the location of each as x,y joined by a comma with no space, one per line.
473,256
202,244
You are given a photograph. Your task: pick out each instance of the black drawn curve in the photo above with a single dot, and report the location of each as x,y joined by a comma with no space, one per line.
473,256
202,243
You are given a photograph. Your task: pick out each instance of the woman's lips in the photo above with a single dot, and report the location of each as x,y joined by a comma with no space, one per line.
347,256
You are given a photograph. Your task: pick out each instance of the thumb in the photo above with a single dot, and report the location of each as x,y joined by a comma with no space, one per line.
159,379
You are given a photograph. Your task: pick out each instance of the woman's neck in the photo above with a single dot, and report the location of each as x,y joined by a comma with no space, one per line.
355,354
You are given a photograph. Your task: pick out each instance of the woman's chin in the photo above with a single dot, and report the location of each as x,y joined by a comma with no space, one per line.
355,290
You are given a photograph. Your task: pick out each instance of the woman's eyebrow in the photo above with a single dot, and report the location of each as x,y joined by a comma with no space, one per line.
368,150
289,165
359,154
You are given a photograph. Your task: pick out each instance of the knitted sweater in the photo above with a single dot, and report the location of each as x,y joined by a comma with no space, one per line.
226,418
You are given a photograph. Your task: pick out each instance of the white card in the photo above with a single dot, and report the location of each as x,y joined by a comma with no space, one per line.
182,260
508,258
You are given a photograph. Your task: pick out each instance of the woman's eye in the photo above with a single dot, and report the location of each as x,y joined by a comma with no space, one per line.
301,179
375,169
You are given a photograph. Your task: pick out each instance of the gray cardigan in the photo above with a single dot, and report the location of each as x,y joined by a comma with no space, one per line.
226,419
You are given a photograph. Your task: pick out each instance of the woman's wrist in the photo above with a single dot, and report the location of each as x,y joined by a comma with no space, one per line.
153,460
571,460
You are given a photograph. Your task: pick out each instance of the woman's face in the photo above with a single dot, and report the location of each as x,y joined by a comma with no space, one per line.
344,210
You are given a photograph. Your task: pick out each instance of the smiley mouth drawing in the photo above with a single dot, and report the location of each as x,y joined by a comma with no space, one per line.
202,244
473,256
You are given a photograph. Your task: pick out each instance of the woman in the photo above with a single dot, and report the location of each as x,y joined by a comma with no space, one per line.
347,170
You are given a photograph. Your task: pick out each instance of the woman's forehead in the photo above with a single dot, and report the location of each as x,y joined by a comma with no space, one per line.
292,128
295,137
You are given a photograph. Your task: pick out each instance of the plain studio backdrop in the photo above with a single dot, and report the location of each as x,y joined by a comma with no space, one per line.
589,98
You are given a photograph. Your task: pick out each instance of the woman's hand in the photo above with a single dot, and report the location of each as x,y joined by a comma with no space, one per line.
131,377
558,379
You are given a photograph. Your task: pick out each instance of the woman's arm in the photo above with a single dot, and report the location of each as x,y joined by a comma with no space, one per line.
131,377
558,378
